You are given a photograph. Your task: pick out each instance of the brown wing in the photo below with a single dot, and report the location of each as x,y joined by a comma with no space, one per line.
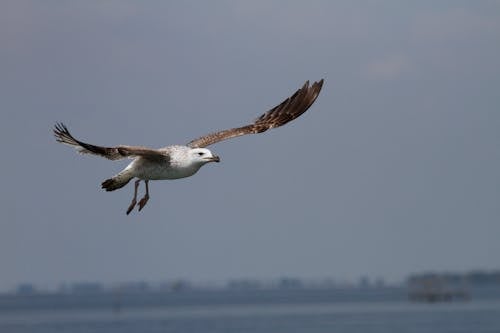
112,153
288,110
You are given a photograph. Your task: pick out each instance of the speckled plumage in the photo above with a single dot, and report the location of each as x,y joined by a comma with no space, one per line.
179,161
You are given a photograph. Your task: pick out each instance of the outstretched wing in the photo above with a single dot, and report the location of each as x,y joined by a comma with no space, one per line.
288,110
112,153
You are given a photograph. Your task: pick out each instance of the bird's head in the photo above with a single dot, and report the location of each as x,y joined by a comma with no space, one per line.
203,155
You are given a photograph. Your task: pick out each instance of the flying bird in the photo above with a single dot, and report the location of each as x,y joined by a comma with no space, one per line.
179,161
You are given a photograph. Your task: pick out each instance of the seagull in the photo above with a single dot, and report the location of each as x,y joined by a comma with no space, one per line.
179,161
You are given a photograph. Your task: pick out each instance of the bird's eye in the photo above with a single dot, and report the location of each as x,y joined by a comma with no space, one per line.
201,153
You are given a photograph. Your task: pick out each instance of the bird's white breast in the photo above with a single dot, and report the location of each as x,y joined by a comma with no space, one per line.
178,165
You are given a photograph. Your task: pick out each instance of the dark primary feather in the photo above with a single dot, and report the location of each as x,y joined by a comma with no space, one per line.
63,135
288,110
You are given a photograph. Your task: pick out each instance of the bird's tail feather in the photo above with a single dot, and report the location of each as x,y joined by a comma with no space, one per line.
117,181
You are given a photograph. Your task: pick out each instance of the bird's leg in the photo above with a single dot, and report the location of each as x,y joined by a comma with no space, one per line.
145,199
134,199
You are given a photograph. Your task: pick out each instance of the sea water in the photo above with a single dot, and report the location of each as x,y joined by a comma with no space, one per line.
259,311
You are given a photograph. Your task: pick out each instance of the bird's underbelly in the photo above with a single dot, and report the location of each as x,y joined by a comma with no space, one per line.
154,172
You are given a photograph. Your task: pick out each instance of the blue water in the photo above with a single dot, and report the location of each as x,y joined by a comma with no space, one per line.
250,311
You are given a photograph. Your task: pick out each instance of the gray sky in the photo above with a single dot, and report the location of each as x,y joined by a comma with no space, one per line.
395,169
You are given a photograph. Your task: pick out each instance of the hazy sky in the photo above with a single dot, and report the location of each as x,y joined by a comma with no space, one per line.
394,170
